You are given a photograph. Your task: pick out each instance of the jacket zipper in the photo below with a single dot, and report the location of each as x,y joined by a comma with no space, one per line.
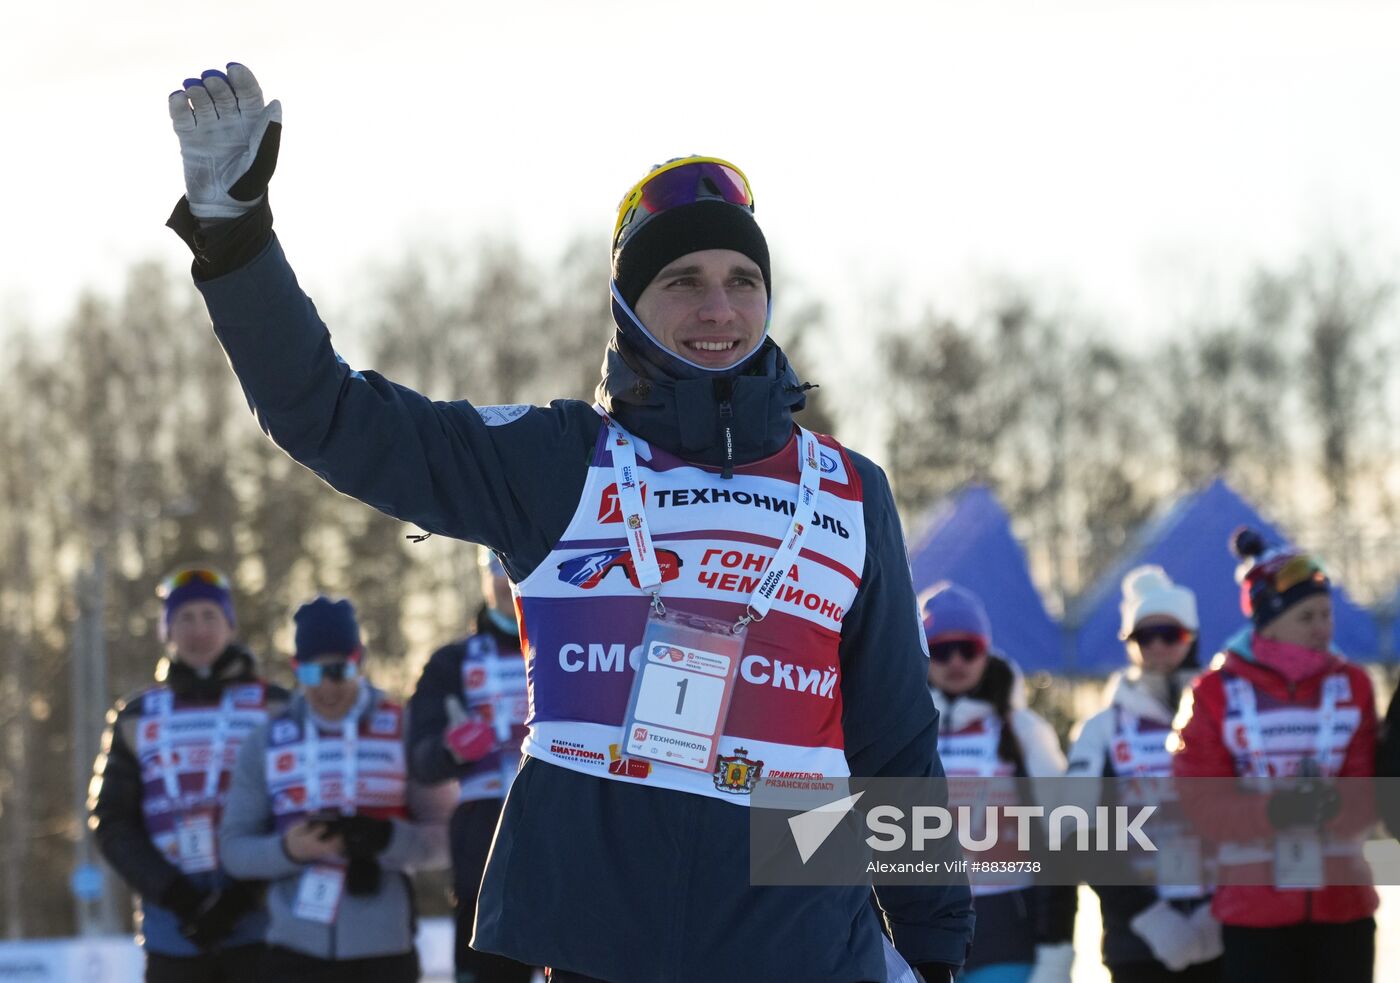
724,389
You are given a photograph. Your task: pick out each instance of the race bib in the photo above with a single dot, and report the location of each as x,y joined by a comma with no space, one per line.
1298,862
196,843
1179,868
319,893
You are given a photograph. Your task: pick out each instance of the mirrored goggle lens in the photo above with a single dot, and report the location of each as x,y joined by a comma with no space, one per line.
1170,634
312,673
681,184
1297,570
192,576
689,183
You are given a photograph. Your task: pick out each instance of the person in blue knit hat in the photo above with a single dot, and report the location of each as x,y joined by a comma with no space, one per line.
322,806
1024,933
160,785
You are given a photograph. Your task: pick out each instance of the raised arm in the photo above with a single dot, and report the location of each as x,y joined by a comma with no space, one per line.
506,478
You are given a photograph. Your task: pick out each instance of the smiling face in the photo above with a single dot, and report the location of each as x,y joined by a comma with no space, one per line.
709,307
333,698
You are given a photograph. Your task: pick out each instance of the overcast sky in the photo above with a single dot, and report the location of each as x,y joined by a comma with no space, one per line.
1128,154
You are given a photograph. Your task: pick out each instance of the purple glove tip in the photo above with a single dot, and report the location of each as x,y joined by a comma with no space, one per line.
214,73
191,83
235,64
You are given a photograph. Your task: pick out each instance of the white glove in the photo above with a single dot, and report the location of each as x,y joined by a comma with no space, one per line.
1169,934
225,142
1208,938
1053,963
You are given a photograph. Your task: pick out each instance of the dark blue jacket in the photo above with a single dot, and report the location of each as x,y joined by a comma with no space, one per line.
619,881
119,824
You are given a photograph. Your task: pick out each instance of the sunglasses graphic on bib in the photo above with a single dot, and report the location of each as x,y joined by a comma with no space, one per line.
588,571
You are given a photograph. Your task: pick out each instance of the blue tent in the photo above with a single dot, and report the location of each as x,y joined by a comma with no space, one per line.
968,541
1190,540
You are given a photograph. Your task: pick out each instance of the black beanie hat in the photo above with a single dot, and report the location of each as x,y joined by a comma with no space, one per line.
669,235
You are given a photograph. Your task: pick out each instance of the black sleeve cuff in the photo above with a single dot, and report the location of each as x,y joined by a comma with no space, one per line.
222,247
936,972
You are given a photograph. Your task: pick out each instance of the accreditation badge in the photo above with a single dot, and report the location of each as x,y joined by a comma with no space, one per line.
1180,872
1298,862
195,841
319,892
682,688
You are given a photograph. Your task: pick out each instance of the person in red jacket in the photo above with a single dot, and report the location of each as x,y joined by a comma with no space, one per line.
1281,703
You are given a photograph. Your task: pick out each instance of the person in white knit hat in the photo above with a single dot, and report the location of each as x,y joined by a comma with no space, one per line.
1164,932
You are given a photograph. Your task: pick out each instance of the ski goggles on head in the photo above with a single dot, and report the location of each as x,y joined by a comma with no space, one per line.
1295,570
682,181
1168,634
194,575
336,670
588,571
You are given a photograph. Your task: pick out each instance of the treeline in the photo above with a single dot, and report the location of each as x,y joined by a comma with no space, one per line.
126,448
1082,434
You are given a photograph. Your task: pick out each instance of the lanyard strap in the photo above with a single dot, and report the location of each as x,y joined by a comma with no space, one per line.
350,771
989,762
1241,695
489,656
1327,715
165,750
780,564
1128,726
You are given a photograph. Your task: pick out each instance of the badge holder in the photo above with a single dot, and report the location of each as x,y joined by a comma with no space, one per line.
1298,861
319,892
1179,869
196,843
682,688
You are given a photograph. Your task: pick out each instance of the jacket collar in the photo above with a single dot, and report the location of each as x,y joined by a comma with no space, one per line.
1002,684
1238,659
1148,696
689,417
235,665
486,625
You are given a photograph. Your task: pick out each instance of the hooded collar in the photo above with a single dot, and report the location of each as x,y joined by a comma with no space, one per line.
690,417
